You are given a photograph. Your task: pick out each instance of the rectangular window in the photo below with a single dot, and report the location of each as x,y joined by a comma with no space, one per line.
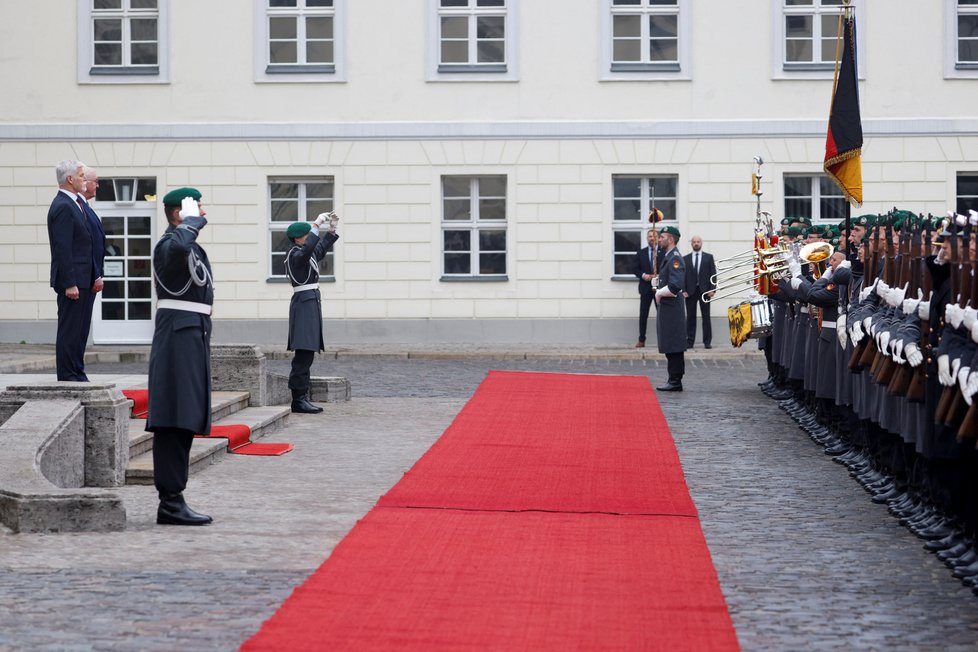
633,198
815,197
811,30
644,35
296,200
967,36
122,38
300,36
967,192
474,227
472,36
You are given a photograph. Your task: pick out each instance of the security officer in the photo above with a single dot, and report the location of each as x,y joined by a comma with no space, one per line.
670,325
305,310
180,358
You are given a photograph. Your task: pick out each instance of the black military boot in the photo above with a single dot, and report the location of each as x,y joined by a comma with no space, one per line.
301,404
674,385
173,510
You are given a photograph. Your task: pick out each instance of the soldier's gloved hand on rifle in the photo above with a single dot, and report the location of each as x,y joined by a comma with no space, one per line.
923,310
969,318
962,379
944,376
896,346
883,341
896,296
868,325
953,315
971,387
974,333
856,334
840,330
913,353
189,208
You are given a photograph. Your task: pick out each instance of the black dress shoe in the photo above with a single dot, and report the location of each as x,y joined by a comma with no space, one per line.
954,551
670,387
302,405
707,346
173,510
947,543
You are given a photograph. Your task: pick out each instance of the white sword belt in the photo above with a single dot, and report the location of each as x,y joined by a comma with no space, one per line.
829,324
186,306
302,288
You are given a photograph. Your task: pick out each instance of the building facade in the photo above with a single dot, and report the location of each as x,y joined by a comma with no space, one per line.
492,161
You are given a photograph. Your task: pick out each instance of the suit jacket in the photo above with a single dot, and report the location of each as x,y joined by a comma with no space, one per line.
70,239
98,240
708,269
642,265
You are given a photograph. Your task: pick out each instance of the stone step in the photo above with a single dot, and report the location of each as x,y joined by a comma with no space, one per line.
206,451
223,404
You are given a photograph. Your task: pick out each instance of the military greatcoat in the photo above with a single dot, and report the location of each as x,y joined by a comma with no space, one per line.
670,323
305,310
180,358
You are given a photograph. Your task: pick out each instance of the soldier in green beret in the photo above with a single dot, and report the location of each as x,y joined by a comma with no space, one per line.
180,358
310,243
670,324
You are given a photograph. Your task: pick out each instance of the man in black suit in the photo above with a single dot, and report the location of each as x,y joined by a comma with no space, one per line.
700,270
647,263
75,273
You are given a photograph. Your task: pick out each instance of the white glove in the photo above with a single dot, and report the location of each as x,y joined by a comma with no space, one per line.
970,316
321,219
962,378
857,333
663,292
914,356
971,387
846,264
896,296
864,293
840,330
868,324
794,267
881,287
974,333
955,365
943,370
795,282
828,274
896,346
953,315
884,341
909,306
189,208
923,310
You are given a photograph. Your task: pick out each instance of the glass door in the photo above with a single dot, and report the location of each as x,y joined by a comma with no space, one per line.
124,309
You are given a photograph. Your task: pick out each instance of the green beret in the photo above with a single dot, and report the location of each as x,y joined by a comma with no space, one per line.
835,242
864,221
785,221
298,229
175,197
671,230
792,220
793,231
807,221
803,232
828,233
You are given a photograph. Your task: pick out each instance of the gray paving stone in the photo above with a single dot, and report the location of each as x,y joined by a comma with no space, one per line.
806,561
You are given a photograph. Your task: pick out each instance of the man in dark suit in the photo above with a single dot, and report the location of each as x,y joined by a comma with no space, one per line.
700,270
75,273
647,263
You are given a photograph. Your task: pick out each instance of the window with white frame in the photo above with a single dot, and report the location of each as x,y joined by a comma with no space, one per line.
967,35
472,33
473,227
633,198
967,192
816,197
300,36
811,29
122,40
644,35
296,200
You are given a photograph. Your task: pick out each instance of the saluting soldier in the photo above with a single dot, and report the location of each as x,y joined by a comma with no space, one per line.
305,309
180,359
670,325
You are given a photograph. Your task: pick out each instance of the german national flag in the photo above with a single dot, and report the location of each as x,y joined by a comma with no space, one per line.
843,145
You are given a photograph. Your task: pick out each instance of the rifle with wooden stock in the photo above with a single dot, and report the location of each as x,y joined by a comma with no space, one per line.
871,266
960,274
917,389
904,373
886,364
959,405
874,357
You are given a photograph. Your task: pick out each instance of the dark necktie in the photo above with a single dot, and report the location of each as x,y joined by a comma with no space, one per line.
81,204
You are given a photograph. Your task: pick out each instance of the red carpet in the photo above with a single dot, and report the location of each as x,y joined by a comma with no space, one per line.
238,435
551,515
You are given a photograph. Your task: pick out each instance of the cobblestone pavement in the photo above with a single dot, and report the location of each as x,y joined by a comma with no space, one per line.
805,560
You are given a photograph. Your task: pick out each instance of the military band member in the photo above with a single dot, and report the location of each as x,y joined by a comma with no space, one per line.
670,323
180,358
305,309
